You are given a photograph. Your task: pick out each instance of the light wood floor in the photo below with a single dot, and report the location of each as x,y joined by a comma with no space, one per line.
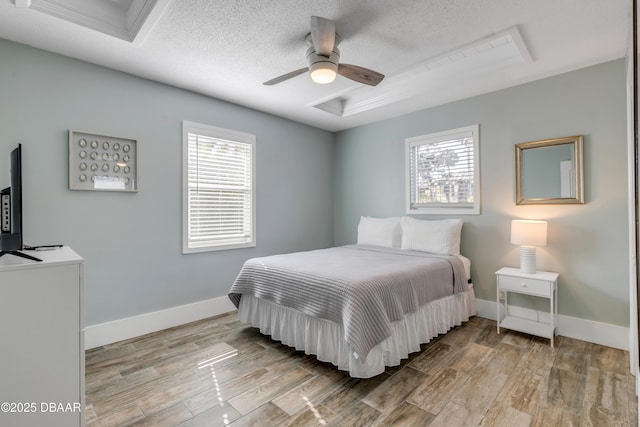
218,371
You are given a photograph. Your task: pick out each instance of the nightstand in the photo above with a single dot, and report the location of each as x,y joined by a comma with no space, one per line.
542,284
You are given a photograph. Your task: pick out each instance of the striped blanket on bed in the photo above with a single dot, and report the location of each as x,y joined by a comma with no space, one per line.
362,288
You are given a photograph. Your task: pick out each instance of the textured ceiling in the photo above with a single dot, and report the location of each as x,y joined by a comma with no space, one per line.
226,49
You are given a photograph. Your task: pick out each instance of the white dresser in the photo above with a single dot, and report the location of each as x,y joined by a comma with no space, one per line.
42,339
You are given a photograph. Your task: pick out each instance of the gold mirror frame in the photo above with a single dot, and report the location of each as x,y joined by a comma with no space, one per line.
578,177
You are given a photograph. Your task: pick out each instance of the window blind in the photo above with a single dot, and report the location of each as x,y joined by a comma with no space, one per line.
220,194
442,170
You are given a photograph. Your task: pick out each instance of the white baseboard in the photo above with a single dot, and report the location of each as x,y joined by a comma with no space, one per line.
586,330
122,329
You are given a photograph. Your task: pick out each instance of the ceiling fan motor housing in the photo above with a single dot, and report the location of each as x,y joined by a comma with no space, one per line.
321,65
323,58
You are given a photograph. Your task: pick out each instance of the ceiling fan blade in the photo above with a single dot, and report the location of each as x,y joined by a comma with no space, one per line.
360,74
285,77
323,35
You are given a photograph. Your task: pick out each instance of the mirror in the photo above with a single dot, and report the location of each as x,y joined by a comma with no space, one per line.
550,172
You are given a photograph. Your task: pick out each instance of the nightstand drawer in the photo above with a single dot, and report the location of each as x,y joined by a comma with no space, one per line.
525,285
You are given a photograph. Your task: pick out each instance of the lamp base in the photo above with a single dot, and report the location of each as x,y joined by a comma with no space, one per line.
528,259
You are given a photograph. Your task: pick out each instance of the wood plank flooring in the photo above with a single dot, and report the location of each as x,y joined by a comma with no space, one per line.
218,372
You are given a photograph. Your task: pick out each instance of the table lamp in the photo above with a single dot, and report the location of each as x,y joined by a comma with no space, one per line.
528,234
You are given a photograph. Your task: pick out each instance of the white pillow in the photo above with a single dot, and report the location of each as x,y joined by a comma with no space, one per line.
380,231
439,237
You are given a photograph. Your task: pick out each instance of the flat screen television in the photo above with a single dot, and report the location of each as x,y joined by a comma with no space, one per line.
11,211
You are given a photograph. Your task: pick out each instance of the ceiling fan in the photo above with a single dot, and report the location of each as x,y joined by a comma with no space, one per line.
323,57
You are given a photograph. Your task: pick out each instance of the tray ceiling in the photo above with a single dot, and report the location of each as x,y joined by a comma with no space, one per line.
432,52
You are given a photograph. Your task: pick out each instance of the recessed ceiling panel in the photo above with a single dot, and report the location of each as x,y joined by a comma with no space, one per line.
472,61
128,20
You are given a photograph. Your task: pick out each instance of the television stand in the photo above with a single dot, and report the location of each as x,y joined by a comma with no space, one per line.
41,306
20,254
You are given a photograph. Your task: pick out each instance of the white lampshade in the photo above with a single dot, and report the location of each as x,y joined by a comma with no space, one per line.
529,232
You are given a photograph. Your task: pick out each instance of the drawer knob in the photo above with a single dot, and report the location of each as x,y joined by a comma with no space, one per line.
523,285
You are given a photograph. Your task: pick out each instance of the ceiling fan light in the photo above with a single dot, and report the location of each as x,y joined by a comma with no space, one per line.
323,72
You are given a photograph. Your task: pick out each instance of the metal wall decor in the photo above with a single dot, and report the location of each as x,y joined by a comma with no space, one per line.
102,163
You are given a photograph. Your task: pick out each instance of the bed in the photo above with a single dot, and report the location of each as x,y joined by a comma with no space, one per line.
366,306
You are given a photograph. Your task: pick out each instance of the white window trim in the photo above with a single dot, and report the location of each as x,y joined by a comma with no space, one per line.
440,136
221,133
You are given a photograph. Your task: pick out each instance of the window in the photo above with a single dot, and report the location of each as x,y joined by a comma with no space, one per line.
443,172
218,187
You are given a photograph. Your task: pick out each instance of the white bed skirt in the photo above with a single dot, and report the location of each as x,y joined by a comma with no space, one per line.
325,339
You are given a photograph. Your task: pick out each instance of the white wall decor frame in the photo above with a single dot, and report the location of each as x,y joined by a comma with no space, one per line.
102,163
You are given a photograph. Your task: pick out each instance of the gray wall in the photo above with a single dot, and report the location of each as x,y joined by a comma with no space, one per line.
587,244
132,242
